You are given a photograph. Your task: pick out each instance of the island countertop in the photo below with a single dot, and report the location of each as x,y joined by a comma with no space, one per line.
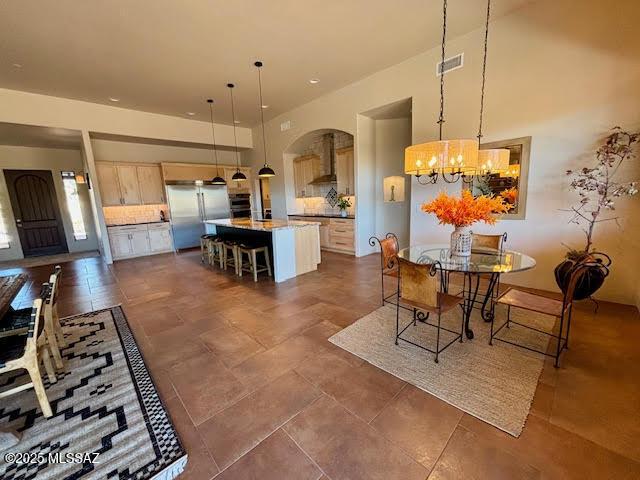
259,225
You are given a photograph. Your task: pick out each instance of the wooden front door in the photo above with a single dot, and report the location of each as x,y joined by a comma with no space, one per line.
35,208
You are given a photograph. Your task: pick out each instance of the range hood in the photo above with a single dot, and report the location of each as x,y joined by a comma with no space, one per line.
328,156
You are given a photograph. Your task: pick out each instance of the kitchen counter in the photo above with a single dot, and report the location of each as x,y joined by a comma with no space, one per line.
294,245
321,215
259,225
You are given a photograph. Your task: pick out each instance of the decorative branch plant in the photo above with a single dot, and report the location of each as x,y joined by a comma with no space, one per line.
597,188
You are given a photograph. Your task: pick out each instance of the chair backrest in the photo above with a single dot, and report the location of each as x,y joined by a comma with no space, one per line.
36,325
54,283
488,242
389,249
420,282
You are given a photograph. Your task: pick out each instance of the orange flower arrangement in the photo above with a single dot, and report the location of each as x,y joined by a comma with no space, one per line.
510,195
466,210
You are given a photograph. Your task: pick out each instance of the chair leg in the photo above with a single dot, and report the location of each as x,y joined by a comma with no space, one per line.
398,317
237,254
46,360
201,250
254,265
268,260
58,328
558,347
438,337
221,255
55,351
566,342
382,279
41,394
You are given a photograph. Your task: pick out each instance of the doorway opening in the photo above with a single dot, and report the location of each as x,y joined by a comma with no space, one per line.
265,198
37,214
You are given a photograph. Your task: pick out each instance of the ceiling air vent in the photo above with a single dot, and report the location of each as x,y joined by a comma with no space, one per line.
450,64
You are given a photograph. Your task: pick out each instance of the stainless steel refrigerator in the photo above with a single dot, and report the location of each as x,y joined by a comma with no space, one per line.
191,204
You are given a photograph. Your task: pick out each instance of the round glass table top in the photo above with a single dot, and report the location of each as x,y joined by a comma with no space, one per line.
480,261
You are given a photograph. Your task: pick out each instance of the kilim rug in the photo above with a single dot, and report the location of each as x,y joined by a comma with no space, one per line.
493,383
104,403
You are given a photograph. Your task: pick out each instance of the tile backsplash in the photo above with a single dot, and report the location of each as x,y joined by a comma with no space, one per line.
310,205
134,214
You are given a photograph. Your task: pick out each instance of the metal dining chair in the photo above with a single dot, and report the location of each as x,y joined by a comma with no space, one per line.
389,249
560,309
420,287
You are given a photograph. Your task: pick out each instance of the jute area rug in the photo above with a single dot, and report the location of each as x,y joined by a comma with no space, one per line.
493,383
106,411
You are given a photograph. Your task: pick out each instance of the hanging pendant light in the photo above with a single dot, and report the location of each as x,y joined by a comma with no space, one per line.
238,176
451,159
494,160
217,180
266,171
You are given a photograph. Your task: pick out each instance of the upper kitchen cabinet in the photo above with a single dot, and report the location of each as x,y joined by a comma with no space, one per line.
345,171
151,185
130,184
305,169
234,186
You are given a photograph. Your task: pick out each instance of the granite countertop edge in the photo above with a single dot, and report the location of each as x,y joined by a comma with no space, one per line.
320,215
260,227
133,224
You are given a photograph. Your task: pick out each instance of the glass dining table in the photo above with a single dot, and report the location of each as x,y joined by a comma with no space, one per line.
488,264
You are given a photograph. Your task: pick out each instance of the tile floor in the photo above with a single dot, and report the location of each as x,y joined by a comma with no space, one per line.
256,391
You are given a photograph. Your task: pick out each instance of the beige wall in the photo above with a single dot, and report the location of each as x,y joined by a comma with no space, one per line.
56,160
560,73
33,109
119,151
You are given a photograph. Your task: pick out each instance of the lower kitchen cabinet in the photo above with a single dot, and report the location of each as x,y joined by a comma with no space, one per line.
129,241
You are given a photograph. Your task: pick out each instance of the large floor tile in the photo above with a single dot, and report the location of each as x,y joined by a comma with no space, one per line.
237,429
201,465
345,447
230,345
276,458
205,386
418,422
472,458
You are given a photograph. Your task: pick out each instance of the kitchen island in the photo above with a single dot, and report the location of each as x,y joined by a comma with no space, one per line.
294,245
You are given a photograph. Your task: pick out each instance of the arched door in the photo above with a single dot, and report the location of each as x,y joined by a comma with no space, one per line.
35,208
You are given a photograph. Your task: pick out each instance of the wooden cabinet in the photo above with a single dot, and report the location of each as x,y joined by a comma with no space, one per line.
342,235
109,186
305,170
137,240
151,185
130,184
345,171
160,239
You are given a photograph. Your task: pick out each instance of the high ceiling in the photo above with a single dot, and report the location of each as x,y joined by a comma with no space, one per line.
168,56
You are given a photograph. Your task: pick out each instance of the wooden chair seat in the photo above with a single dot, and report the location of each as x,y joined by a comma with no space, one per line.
446,302
531,301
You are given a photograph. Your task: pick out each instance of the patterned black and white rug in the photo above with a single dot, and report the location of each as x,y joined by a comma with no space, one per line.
104,403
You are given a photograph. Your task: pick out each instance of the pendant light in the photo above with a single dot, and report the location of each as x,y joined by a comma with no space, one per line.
238,176
455,158
266,171
494,160
217,180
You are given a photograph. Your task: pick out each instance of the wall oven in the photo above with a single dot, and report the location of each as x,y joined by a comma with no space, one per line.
240,205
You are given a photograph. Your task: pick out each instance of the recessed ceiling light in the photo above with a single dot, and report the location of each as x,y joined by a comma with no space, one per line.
17,65
191,114
236,121
114,99
265,106
314,81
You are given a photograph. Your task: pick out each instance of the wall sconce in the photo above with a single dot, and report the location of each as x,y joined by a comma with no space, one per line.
393,189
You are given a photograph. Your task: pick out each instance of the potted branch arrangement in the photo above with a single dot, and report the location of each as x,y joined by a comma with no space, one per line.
598,192
462,212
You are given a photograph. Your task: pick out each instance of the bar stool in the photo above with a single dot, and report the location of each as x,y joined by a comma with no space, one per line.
215,251
203,245
229,246
251,265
